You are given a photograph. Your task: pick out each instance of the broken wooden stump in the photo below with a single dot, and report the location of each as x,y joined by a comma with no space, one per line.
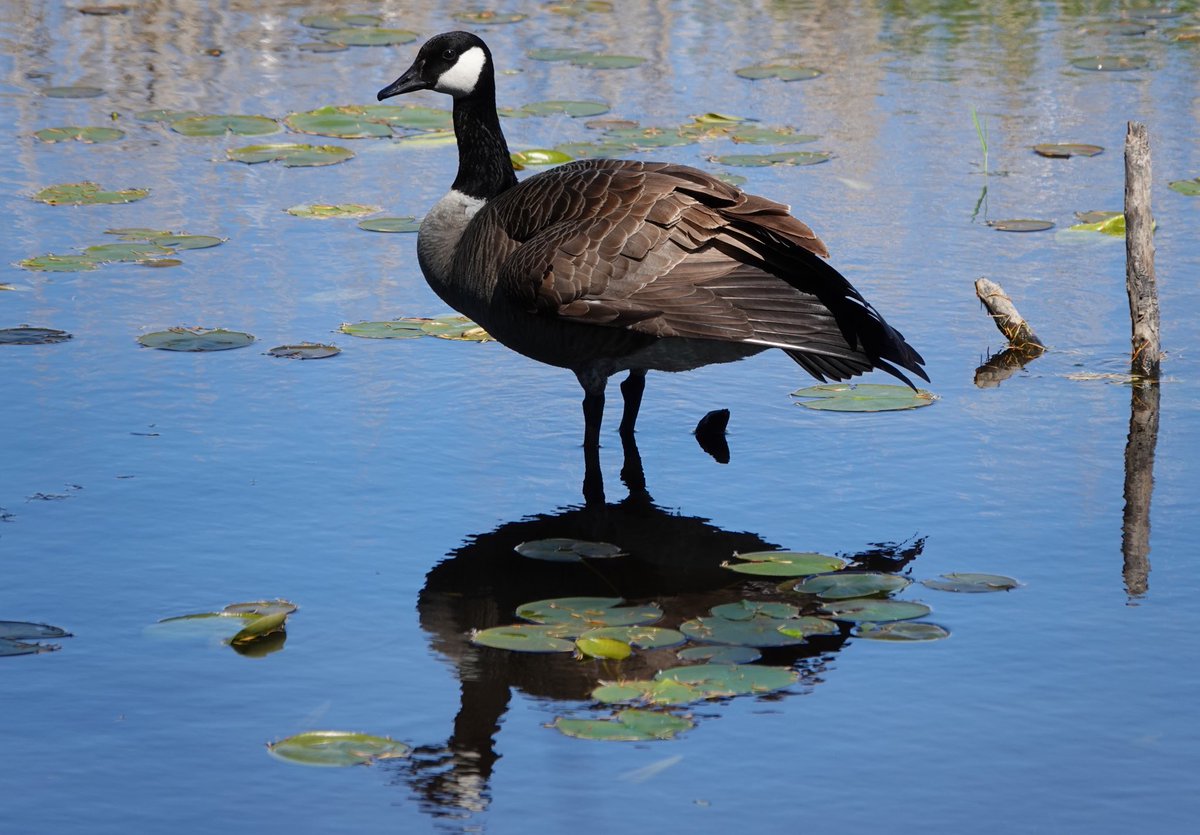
1140,281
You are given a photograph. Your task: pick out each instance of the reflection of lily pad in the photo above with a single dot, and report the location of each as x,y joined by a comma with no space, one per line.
972,582
25,335
337,748
305,351
848,585
196,339
903,630
1021,225
78,194
720,654
747,609
221,125
560,549
1109,63
524,637
627,726
291,155
863,397
390,224
784,563
369,36
1063,150
784,72
328,210
86,135
863,610
781,158
641,637
1191,188
756,632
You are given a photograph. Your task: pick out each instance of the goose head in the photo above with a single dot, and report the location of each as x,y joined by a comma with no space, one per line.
456,63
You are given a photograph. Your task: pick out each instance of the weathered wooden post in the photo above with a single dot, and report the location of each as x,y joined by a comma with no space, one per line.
1023,344
1139,254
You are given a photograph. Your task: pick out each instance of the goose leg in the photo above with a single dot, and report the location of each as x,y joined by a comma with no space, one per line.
593,406
632,390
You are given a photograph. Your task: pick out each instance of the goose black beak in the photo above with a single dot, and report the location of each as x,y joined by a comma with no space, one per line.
407,83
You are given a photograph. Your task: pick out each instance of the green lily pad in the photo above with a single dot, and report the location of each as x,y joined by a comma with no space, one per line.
1113,224
784,563
138,233
862,397
659,693
524,637
721,680
368,36
1096,216
578,8
874,610
627,726
411,116
747,609
647,137
756,135
782,71
781,158
221,125
182,241
305,351
568,108
538,156
581,614
25,335
590,60
720,654
1021,225
456,328
598,646
322,47
165,115
327,210
129,251
849,585
291,155
196,339
75,91
972,582
1063,150
339,20
561,549
1109,63
903,630
346,122
640,637
390,224
487,18
79,194
397,329
261,607
554,54
59,263
1191,188
337,748
756,632
427,139
87,135
259,628
23,630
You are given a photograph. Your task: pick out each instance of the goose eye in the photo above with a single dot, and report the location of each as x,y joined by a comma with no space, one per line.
448,54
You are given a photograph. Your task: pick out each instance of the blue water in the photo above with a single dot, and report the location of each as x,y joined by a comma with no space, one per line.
382,489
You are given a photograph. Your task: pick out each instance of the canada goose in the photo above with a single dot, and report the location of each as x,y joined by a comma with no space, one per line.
602,265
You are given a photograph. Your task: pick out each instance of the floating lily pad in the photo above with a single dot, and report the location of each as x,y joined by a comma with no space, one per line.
781,158
538,156
259,628
25,335
720,680
560,549
784,563
756,135
87,135
456,328
972,582
59,263
524,637
138,233
427,139
627,726
747,609
1109,63
165,115
1106,223
808,625
640,637
305,351
554,54
261,607
848,585
1021,225
322,47
347,122
337,748
568,108
79,194
390,224
182,241
76,91
756,632
486,18
398,329
782,71
720,654
291,155
647,137
23,630
327,210
130,251
598,646
581,614
369,36
863,610
862,397
221,125
1191,188
196,339
904,630
412,116
1063,150
600,61
339,20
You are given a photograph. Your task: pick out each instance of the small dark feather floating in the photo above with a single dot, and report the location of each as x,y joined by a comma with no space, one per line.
603,266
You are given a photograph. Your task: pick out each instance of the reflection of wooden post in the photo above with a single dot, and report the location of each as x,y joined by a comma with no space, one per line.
1139,253
1139,483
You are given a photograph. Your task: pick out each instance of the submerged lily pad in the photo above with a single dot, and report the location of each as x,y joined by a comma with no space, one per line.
755,632
196,339
75,91
524,637
221,125
972,582
25,335
781,158
87,135
328,210
369,36
747,609
848,585
79,194
339,20
862,397
305,351
641,637
390,224
871,610
627,726
291,155
903,630
1109,63
1064,150
782,71
1021,225
1191,188
337,748
784,563
59,263
561,549
720,654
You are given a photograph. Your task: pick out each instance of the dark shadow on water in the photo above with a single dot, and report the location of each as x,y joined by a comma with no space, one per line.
1139,485
672,559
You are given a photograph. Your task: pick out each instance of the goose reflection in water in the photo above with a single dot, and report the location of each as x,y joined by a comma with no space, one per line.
672,559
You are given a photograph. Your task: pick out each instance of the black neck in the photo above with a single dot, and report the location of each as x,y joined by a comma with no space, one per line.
485,168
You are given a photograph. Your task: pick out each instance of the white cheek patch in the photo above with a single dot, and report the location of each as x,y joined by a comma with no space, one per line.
460,80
